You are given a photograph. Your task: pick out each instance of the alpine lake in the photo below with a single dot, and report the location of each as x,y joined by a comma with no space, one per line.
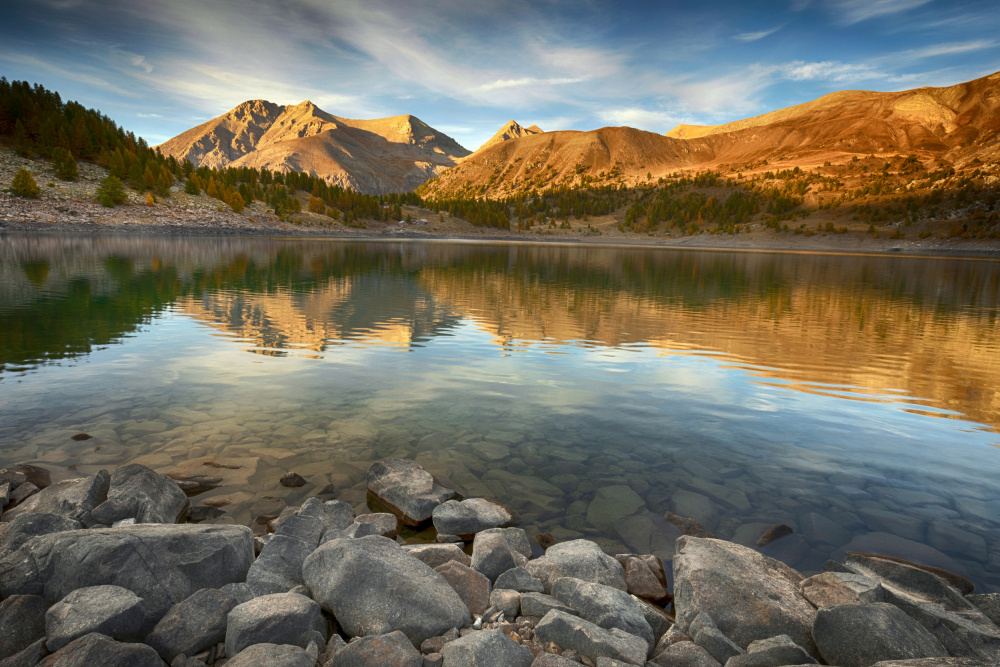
592,389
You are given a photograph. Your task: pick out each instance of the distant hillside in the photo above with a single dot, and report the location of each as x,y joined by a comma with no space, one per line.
393,154
953,126
512,130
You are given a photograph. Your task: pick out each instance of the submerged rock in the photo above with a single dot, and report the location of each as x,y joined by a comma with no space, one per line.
406,489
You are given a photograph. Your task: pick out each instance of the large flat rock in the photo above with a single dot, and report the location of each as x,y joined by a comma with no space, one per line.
406,489
580,559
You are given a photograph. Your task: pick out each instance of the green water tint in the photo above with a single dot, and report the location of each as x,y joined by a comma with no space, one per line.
591,389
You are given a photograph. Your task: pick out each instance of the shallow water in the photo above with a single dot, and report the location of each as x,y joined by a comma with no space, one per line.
592,389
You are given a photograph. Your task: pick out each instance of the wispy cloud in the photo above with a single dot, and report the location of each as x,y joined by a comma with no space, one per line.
528,81
937,50
760,34
849,12
644,119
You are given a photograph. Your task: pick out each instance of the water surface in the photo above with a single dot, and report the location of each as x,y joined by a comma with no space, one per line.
854,398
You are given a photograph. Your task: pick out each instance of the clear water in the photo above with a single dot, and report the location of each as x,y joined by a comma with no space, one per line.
592,389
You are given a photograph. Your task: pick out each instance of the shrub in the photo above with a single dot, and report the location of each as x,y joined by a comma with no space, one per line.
316,205
111,192
236,203
24,185
150,199
64,164
191,187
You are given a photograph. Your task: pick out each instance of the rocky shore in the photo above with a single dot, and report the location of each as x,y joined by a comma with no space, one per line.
104,570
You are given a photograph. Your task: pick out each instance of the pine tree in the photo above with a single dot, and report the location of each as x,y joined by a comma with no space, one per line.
111,192
64,164
24,185
22,144
191,186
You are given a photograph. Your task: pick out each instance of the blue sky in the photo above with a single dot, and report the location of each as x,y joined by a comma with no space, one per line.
159,67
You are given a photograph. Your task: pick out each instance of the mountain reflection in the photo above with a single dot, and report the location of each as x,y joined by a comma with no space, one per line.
922,329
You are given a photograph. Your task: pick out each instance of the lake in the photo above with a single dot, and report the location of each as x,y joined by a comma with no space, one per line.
592,389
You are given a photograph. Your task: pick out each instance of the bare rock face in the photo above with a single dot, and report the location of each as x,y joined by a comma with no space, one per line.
406,489
747,594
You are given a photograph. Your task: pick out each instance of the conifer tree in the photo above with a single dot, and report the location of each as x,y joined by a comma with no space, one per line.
64,164
24,185
111,192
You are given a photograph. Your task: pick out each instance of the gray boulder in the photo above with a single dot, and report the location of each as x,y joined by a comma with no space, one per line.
932,662
240,590
109,610
279,566
371,586
516,538
17,475
389,650
604,606
507,601
553,660
473,587
29,656
590,640
580,559
657,617
773,652
406,489
492,555
72,498
989,604
272,655
685,654
193,625
97,649
282,618
489,648
859,635
26,526
336,515
747,594
829,589
139,493
707,635
161,563
22,618
433,555
641,581
539,604
383,523
519,579
465,518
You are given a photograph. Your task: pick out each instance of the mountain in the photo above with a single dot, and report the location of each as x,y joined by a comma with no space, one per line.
375,156
954,126
512,130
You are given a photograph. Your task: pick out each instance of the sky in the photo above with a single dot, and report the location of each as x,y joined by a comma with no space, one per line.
159,67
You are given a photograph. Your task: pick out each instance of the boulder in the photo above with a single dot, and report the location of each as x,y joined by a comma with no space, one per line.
281,618
657,617
139,493
279,566
72,498
707,635
22,492
98,649
604,606
109,610
747,594
388,650
932,662
580,559
473,587
590,640
829,589
29,656
507,601
860,635
911,578
161,563
492,555
519,579
773,652
272,655
22,618
685,654
489,648
26,526
193,625
641,581
989,604
292,479
371,586
773,533
688,526
336,515
406,489
382,523
465,518
539,604
433,555
19,474
516,538
553,660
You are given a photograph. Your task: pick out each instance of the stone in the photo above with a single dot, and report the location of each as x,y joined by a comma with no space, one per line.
932,662
948,537
22,618
553,660
732,498
492,555
688,525
281,618
29,656
371,586
382,523
589,640
539,604
473,587
697,507
860,635
388,650
829,589
641,582
581,559
773,652
193,625
747,594
4,494
72,498
898,547
603,606
989,604
195,484
707,635
489,648
161,563
27,526
519,579
279,566
685,654
272,655
433,660
507,601
406,489
241,591
818,529
773,533
137,492
19,474
516,538
611,504
927,583
109,610
657,617
292,479
467,517
98,649
434,555
21,493
544,540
